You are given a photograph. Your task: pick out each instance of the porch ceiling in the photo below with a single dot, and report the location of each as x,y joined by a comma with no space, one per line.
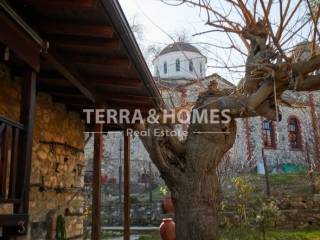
92,57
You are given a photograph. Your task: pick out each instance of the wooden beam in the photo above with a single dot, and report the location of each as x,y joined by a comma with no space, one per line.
4,160
51,82
82,105
27,118
81,30
96,192
109,97
101,60
19,42
125,82
72,76
126,232
95,80
58,3
71,97
51,88
113,9
86,45
74,102
79,109
13,220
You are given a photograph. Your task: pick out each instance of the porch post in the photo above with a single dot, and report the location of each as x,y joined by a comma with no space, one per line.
126,232
27,118
96,193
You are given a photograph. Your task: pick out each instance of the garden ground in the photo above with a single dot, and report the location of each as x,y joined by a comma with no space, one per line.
310,234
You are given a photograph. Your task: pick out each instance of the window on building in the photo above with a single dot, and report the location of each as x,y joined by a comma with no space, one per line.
157,72
165,68
190,65
200,67
178,65
268,134
294,133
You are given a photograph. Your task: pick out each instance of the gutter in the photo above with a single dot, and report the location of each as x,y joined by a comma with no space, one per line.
122,27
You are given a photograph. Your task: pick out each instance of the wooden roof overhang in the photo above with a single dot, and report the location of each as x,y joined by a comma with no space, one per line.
84,52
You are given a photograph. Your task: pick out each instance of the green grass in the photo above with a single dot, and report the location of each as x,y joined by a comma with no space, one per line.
272,235
280,178
144,197
283,183
237,234
154,236
143,236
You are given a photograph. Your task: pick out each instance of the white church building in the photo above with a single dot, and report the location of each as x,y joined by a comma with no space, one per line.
180,72
180,61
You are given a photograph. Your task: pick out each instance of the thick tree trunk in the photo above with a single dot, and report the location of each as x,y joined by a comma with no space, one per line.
199,194
196,209
189,167
190,171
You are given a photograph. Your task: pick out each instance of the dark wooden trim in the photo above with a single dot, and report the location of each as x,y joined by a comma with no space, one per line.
101,60
126,232
96,192
14,162
59,3
5,147
27,117
13,220
72,76
10,200
86,45
19,42
11,123
102,31
109,96
125,82
123,30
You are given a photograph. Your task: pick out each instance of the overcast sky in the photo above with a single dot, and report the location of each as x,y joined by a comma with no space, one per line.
159,21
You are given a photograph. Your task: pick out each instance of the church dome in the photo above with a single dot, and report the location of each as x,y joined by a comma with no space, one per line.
179,46
180,61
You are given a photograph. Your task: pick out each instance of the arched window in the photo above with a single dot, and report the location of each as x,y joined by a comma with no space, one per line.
190,66
268,134
157,72
177,65
294,133
200,67
165,68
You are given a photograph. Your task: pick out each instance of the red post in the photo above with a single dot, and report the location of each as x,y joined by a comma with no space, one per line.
27,118
126,232
96,192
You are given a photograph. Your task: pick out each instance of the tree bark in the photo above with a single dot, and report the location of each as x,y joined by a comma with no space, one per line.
189,168
196,208
198,197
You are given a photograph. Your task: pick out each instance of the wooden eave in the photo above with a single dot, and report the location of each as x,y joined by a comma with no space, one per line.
86,54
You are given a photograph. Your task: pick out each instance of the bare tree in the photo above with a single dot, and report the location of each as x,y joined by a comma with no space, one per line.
266,33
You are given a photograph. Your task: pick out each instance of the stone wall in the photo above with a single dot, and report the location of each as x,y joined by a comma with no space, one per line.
281,153
113,154
57,159
246,154
293,212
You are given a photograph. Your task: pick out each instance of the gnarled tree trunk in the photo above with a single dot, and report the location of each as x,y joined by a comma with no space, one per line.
189,167
198,197
190,171
196,208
